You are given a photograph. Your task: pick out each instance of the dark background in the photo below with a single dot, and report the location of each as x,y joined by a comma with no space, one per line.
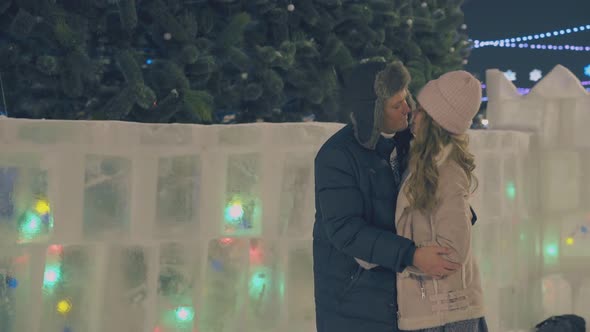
499,19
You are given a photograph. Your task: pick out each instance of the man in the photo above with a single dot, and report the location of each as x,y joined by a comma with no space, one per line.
357,177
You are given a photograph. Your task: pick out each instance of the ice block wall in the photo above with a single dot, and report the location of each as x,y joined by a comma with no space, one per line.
556,113
110,226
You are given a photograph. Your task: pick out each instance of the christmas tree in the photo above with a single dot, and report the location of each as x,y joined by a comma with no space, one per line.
212,61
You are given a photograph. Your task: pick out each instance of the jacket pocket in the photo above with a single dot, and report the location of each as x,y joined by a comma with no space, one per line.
351,283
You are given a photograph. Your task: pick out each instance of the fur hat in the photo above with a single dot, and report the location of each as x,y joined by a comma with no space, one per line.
365,91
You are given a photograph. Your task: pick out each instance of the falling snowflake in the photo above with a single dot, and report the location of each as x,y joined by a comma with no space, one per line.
535,75
587,70
510,75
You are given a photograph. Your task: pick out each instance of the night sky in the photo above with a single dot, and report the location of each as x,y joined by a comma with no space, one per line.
499,19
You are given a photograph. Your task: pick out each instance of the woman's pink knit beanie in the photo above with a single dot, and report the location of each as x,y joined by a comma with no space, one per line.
452,100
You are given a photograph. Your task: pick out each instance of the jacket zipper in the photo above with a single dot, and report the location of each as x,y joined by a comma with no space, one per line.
422,290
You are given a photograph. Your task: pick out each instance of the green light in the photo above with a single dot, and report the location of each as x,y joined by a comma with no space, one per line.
234,211
259,283
52,275
31,225
510,190
184,314
551,250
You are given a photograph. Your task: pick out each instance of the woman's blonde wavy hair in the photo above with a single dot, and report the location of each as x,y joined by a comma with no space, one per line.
429,141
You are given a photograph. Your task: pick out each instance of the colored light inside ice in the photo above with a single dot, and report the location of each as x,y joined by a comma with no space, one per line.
569,241
42,207
551,250
184,314
64,306
234,211
55,249
258,284
510,190
584,229
226,241
258,280
51,276
12,283
32,224
255,255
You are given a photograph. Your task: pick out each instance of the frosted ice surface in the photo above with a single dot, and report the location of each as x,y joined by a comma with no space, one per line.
106,195
178,196
108,226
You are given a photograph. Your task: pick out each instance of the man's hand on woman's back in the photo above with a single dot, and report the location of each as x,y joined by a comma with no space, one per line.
432,262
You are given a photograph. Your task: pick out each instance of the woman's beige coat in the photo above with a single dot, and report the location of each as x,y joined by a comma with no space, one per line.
423,301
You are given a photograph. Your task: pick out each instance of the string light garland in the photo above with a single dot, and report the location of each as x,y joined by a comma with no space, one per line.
524,91
555,33
571,48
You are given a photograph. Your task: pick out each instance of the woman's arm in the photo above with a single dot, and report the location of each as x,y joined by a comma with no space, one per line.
451,220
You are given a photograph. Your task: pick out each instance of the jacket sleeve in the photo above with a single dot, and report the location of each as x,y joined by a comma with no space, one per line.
452,217
342,207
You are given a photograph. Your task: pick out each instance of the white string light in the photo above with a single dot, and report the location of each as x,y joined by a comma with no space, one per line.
555,33
521,91
571,48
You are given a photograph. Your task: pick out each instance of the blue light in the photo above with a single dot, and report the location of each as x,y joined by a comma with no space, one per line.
575,29
12,283
587,70
217,265
582,28
555,33
149,61
542,36
561,32
568,30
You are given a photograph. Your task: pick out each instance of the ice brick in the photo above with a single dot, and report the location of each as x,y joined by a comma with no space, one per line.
243,206
178,197
106,196
179,280
296,199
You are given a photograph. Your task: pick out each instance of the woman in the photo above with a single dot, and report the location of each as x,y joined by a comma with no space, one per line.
433,209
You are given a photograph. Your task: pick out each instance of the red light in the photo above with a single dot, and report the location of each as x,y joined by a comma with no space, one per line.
21,259
55,249
255,255
226,241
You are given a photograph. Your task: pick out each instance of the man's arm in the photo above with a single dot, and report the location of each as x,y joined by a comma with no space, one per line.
342,207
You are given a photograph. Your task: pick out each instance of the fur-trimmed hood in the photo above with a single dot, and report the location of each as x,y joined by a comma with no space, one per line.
365,90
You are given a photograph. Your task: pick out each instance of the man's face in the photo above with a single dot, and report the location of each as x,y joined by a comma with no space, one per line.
395,114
